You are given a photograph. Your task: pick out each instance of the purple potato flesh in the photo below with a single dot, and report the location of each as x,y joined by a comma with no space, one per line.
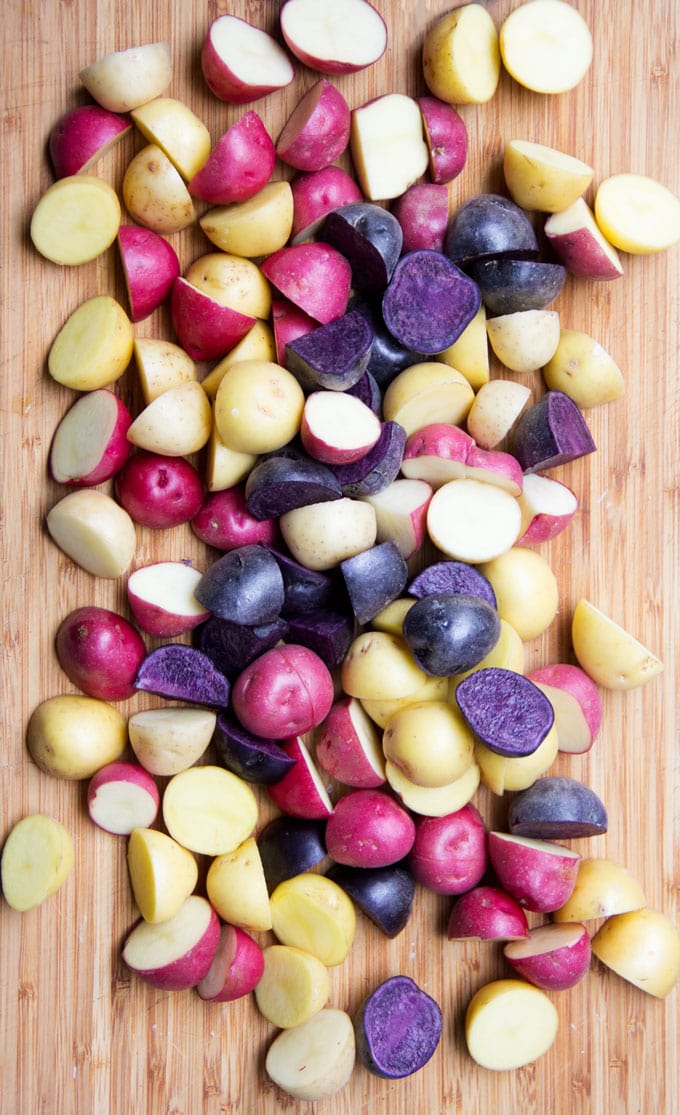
452,577
232,646
429,301
388,358
489,225
250,757
333,356
450,633
377,468
369,237
557,808
510,286
328,634
181,672
374,578
398,1028
384,894
507,712
284,482
551,432
289,846
245,586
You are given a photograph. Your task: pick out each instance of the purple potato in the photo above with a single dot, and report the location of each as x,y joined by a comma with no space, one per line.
551,432
557,808
374,578
289,846
388,357
232,646
368,391
369,237
332,357
383,894
398,1028
452,577
305,590
250,757
245,586
489,225
181,672
377,468
510,286
285,481
505,710
449,633
429,301
329,634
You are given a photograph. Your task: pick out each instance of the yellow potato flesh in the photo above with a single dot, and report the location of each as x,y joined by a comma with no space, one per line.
312,913
176,423
643,947
603,887
425,393
294,986
637,214
256,227
71,737
37,858
502,772
582,369
434,801
430,742
258,406
93,347
237,888
391,618
495,410
461,57
94,531
509,1023
314,1060
526,590
546,46
162,874
540,177
209,810
508,654
76,220
380,710
225,466
611,656
177,130
470,353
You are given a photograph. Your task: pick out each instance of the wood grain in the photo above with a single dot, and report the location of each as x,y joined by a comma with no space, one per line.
78,1036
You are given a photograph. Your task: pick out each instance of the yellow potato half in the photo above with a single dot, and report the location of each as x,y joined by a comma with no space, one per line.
94,345
256,227
611,656
637,214
643,947
509,1023
37,858
76,220
461,57
540,177
582,369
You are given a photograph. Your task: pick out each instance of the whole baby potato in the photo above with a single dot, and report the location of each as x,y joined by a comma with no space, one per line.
258,406
72,737
430,742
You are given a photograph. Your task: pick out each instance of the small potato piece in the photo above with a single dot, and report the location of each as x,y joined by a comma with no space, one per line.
321,535
643,947
72,737
176,130
256,227
583,370
94,345
526,590
76,220
37,858
162,874
430,742
546,46
258,406
237,890
637,214
434,801
313,913
209,810
500,773
461,58
293,988
603,887
539,177
470,353
125,79
495,409
387,145
94,531
509,1023
380,709
380,666
508,653
258,344
161,365
525,340
611,656
473,521
314,1060
155,194
176,423
168,740
425,393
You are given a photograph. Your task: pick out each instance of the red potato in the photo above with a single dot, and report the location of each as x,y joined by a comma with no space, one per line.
159,491
224,521
100,651
447,137
150,266
83,135
161,596
576,238
349,746
122,797
90,443
423,213
401,513
239,165
440,452
540,874
301,792
337,428
242,63
315,194
288,322
577,703
553,957
314,277
317,131
347,37
369,828
488,914
548,506
175,954
206,328
235,971
449,854
285,691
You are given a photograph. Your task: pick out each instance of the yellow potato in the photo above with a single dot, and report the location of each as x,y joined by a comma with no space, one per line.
224,466
380,666
173,127
124,79
293,987
391,618
155,194
611,656
387,145
176,423
603,887
72,737
637,214
540,177
321,535
313,913
434,801
314,1060
232,281
76,220
643,947
495,410
37,858
168,740
508,654
526,590
381,709
461,57
430,742
525,340
258,344
500,772
209,810
509,1023
256,227
470,353
162,874
582,369
161,365
94,345
427,392
546,46
258,406
237,889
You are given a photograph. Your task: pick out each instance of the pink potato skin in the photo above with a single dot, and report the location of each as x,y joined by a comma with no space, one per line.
540,880
582,256
297,793
487,913
328,452
576,682
225,523
82,135
240,164
100,651
447,138
317,131
339,749
288,322
449,854
440,439
543,527
559,969
114,454
241,973
284,692
158,491
423,213
315,194
151,266
188,970
122,772
368,828
205,329
158,621
506,467
224,83
314,277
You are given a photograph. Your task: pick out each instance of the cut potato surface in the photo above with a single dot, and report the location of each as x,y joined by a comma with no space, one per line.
93,530
473,521
546,45
643,947
508,1024
608,653
314,1060
36,859
637,214
313,913
461,59
75,220
93,347
540,177
294,986
209,810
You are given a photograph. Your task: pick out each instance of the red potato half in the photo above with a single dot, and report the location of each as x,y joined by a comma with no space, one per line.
83,135
224,521
315,194
241,62
541,875
488,914
235,971
369,828
161,596
447,138
338,428
577,703
401,513
175,954
100,651
241,163
90,443
342,38
449,854
150,266
349,746
314,277
548,506
317,131
576,238
301,792
122,797
553,957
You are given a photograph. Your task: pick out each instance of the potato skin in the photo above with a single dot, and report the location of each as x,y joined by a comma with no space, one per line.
71,737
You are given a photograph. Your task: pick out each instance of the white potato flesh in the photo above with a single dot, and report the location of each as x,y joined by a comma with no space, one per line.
94,531
509,1023
124,79
348,36
167,585
608,653
643,947
76,220
177,130
470,520
37,858
153,946
637,214
252,56
546,46
314,1060
176,423
86,433
169,740
388,145
495,410
209,810
525,340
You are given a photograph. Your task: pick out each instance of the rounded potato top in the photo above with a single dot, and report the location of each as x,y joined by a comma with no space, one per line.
71,736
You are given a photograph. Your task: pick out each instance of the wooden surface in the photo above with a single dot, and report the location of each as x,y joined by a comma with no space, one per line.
78,1036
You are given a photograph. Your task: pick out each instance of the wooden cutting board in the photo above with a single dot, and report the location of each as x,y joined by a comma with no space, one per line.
78,1036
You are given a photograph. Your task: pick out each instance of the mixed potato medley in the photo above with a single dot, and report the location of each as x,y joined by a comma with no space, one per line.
372,503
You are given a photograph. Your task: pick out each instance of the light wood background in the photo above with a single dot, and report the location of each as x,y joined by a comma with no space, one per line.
78,1036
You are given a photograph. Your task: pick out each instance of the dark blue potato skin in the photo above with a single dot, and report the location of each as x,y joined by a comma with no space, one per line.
388,357
551,432
398,1027
510,286
244,586
282,483
384,894
504,709
374,578
307,590
368,392
450,633
369,237
232,646
557,808
289,846
489,225
377,468
332,357
452,577
256,760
